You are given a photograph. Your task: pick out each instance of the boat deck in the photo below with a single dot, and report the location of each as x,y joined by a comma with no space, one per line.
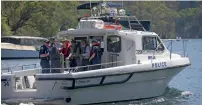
26,90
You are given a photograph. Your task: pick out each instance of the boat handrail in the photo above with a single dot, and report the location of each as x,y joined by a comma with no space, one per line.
153,57
127,17
129,23
138,22
102,65
89,67
171,46
21,67
69,69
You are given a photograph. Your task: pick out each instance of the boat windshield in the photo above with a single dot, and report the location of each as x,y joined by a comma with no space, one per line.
152,43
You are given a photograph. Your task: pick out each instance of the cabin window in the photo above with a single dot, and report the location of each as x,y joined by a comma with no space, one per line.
152,43
114,44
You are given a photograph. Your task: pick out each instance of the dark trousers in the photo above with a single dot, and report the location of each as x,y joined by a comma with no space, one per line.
95,64
55,65
85,62
45,66
73,63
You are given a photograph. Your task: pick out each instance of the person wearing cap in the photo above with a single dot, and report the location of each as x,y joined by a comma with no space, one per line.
95,54
66,50
44,56
85,52
54,57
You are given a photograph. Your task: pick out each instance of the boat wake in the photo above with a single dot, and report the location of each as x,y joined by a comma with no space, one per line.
186,93
172,96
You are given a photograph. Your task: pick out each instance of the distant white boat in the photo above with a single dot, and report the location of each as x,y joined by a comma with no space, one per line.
18,47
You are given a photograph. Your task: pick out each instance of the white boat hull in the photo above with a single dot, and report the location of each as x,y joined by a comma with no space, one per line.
137,87
99,86
18,54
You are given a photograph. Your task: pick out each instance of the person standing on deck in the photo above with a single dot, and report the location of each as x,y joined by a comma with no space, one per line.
85,52
75,54
96,54
44,56
54,57
66,50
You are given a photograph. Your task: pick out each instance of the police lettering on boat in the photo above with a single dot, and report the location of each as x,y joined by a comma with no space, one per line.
159,65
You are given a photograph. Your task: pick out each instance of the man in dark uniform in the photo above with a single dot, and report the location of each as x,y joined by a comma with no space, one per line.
95,55
44,56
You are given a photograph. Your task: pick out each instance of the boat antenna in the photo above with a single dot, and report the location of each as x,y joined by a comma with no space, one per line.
122,4
90,9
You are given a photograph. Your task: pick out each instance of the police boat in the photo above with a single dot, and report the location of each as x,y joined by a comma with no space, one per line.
135,65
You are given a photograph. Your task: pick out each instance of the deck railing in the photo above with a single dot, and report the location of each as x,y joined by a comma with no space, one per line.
96,66
184,47
21,67
85,68
68,69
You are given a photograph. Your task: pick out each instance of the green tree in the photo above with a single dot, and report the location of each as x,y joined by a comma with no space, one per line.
45,18
38,18
5,29
162,18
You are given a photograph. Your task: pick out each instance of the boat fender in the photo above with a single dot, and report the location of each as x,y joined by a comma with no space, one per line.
68,100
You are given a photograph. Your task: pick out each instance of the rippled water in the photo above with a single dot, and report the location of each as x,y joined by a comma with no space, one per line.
184,89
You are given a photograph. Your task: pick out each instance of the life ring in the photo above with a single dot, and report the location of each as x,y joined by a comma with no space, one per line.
113,27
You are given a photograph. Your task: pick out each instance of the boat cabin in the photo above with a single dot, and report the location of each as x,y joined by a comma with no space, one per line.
126,46
122,38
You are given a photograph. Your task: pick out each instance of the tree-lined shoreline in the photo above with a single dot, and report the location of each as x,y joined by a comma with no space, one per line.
169,19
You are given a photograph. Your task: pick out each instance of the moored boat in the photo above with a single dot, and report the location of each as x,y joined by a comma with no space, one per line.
19,47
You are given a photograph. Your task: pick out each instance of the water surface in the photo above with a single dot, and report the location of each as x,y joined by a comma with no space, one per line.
184,89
